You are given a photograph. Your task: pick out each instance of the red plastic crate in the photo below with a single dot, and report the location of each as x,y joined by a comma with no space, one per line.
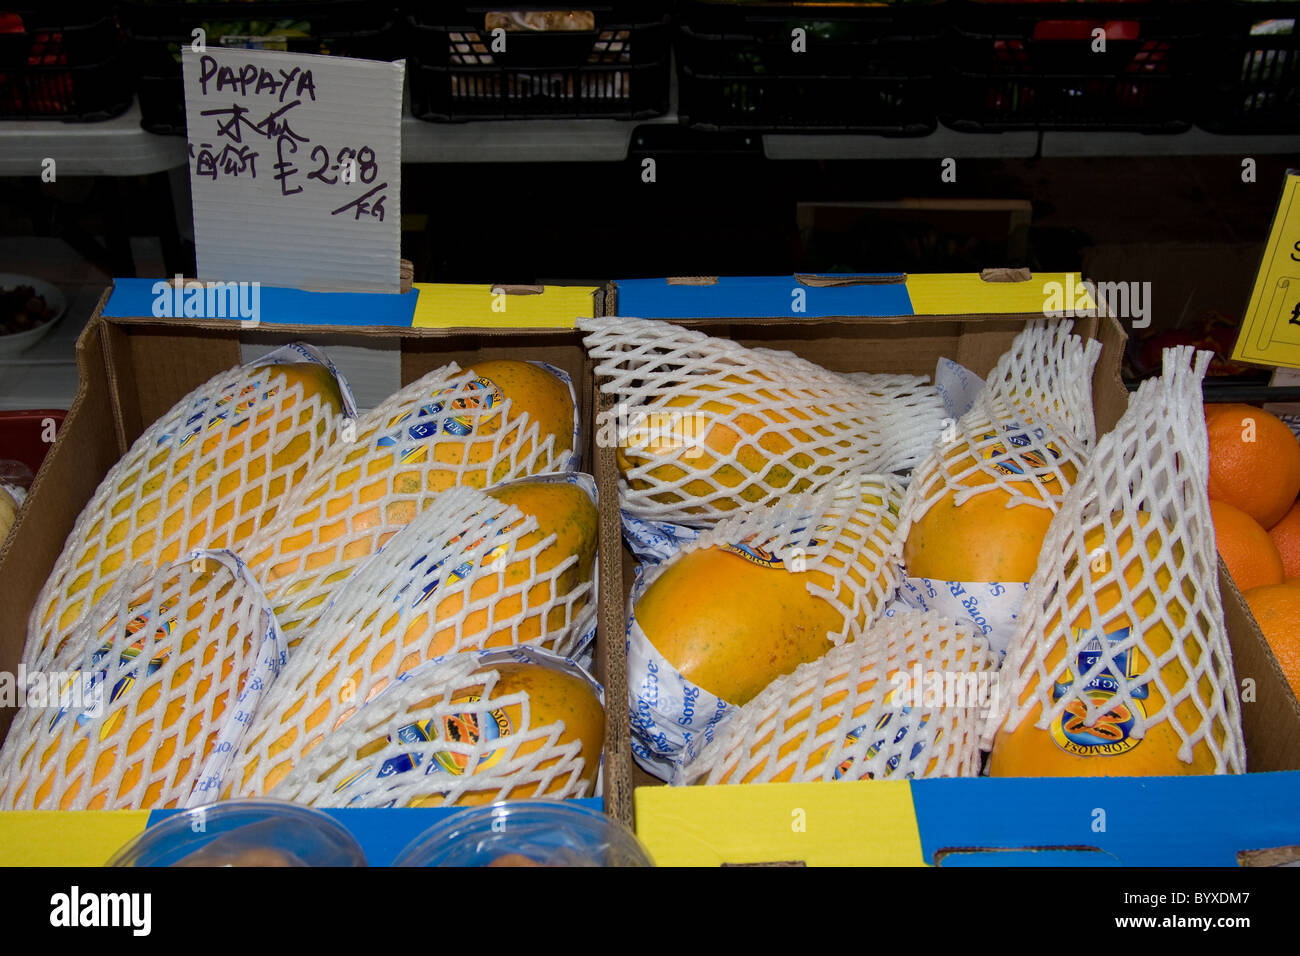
22,435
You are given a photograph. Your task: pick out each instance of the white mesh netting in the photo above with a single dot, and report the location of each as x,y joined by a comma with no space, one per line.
906,700
1122,635
146,700
468,573
843,538
207,474
472,728
705,427
1027,432
449,428
839,544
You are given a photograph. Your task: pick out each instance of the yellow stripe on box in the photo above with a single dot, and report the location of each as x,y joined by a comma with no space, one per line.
66,837
863,823
444,306
965,293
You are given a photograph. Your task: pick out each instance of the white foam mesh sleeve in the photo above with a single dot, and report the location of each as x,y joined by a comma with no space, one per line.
705,426
1136,525
354,765
434,434
468,573
154,688
1033,419
907,700
847,531
204,475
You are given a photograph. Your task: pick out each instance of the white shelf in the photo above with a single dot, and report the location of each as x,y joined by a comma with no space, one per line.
119,147
116,147
940,144
1194,142
519,141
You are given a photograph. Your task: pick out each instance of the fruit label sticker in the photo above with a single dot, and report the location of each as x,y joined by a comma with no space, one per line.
1110,733
1270,329
129,666
1021,458
456,417
765,558
469,728
896,725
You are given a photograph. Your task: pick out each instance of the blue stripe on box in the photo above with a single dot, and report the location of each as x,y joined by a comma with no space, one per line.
1148,821
759,297
279,306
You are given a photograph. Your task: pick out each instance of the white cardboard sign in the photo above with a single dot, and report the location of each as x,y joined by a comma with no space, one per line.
295,168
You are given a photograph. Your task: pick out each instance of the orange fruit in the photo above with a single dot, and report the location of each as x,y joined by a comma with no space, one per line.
1254,461
1286,535
1277,610
1250,554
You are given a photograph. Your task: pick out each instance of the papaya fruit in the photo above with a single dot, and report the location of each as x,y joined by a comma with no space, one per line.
986,537
344,669
732,618
173,492
366,491
1073,746
141,743
703,445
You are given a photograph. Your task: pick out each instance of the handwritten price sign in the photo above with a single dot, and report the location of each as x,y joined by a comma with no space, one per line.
295,168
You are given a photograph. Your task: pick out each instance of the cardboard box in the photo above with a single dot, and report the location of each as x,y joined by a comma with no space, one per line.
133,367
895,323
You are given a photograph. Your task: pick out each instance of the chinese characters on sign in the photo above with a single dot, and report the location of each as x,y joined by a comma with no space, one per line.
295,164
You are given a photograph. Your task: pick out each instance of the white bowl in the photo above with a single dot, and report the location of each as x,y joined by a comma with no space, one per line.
16,342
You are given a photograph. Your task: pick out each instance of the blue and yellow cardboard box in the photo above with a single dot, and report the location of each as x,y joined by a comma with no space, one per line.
134,365
904,323
135,362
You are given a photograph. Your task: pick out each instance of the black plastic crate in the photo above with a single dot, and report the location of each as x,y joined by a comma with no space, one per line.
600,61
63,61
1032,66
1251,68
862,68
158,30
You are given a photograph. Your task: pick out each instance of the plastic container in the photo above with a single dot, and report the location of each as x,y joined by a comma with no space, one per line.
856,68
472,62
158,30
62,61
1251,68
244,833
1040,66
526,833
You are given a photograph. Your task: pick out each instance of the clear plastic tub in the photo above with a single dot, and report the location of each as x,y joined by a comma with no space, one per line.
526,833
244,833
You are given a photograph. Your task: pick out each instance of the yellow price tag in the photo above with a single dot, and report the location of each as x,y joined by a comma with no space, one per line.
1270,330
